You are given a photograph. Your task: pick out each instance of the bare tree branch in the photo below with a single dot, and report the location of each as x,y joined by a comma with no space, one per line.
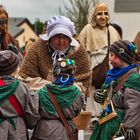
77,11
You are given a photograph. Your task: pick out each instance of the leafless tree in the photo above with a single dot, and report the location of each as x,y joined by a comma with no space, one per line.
78,12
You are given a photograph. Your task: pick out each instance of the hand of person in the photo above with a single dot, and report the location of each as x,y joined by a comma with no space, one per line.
99,96
130,134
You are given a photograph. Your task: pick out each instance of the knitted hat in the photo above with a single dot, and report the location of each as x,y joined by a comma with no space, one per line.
60,25
8,62
64,67
124,49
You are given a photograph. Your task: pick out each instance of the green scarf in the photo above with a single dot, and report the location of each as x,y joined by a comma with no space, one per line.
133,81
65,97
7,90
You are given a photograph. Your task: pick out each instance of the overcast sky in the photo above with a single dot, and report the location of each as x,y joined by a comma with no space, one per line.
43,9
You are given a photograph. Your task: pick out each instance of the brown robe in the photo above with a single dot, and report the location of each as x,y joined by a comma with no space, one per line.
38,63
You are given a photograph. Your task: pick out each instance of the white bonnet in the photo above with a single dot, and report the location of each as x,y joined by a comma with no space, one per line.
60,25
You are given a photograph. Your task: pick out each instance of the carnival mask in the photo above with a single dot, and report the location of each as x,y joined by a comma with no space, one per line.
101,15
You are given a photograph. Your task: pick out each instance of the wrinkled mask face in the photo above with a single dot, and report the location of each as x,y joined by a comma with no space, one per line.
101,15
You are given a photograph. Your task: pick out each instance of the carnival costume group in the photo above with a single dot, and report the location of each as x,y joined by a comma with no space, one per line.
58,64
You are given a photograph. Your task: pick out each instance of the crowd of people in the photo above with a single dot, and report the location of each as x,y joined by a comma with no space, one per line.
45,89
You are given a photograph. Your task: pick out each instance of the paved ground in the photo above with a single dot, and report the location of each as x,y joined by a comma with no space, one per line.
84,135
87,135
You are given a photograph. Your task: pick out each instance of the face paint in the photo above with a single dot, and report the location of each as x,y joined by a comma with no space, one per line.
101,15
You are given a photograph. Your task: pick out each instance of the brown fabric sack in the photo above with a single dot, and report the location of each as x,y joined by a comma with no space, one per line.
99,73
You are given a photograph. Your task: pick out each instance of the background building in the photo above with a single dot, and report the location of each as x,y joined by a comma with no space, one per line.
21,29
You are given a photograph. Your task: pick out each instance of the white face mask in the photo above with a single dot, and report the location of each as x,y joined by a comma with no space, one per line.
102,18
101,15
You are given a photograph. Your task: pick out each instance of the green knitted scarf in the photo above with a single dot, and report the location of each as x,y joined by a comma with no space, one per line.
133,81
7,90
65,97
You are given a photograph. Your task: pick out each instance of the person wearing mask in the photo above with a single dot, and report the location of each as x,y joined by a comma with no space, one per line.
95,37
7,42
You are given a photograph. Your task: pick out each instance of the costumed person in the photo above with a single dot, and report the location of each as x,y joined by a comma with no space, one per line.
2,9
68,96
18,104
7,42
58,41
120,91
95,38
